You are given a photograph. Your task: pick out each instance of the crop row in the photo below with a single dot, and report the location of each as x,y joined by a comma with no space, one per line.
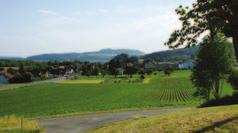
176,95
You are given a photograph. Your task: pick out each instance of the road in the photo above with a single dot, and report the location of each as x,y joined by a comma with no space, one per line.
77,124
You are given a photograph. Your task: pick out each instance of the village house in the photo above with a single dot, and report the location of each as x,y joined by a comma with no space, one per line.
69,72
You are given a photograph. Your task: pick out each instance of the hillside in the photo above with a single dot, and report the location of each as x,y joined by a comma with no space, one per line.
172,55
217,119
103,55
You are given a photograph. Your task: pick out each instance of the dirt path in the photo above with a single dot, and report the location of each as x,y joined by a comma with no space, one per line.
76,124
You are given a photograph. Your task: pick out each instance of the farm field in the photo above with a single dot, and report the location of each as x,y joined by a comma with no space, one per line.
51,99
222,119
82,81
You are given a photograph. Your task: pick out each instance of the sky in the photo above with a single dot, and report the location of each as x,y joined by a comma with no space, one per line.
31,27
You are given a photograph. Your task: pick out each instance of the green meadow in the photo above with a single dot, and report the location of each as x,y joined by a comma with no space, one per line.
110,94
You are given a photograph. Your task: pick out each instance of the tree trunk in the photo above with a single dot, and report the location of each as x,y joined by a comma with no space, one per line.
217,87
208,95
235,43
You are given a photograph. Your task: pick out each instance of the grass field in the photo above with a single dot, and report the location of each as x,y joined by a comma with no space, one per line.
90,81
212,120
12,124
65,98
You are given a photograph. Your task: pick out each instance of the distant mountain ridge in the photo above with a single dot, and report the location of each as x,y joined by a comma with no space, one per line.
106,55
103,55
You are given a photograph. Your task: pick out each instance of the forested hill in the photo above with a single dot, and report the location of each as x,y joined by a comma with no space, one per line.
103,55
173,55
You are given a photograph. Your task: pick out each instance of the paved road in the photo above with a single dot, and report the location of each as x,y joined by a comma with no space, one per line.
77,124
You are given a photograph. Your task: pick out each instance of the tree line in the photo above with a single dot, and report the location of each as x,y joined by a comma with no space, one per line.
28,71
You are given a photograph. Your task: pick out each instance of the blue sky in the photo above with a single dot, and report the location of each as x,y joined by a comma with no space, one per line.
30,27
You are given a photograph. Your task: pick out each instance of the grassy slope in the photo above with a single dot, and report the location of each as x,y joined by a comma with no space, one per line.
217,119
56,99
12,124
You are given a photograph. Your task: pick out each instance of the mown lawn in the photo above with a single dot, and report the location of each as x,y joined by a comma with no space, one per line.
211,120
59,98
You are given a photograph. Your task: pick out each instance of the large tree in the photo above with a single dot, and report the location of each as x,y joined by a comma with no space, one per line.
131,69
125,62
211,67
206,15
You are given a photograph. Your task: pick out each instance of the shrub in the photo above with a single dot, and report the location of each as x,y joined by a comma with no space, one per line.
149,71
142,77
168,71
227,100
22,78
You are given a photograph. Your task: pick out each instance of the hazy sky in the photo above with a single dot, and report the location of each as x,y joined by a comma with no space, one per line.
29,27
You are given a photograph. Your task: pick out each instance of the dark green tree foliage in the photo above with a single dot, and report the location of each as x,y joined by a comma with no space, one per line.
206,15
95,70
130,69
103,72
16,79
119,61
148,71
11,71
168,70
233,80
214,60
87,68
123,61
23,77
36,69
142,74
